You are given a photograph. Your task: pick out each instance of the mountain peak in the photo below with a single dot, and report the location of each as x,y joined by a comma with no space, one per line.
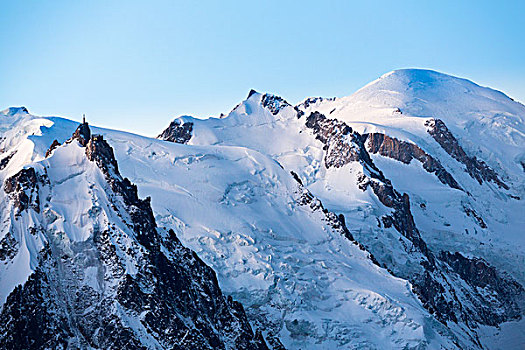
15,110
251,93
417,81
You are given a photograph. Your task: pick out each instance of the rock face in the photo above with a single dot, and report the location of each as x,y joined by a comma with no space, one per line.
476,168
82,134
509,296
313,100
129,285
52,147
23,190
404,152
177,132
274,103
341,144
6,159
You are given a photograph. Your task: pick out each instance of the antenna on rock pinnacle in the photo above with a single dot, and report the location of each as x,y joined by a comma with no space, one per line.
83,118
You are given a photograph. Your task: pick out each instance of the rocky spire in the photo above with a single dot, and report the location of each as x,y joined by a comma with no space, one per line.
82,134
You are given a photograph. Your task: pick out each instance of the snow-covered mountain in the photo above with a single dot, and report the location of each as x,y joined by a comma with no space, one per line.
391,218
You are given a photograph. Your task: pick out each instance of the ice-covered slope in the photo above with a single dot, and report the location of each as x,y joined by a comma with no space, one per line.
454,147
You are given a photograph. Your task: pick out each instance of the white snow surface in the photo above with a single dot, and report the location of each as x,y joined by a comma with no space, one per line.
229,196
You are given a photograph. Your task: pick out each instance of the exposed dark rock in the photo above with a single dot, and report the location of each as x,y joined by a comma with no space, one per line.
339,139
274,103
343,146
177,132
404,152
476,168
296,177
313,100
476,216
8,247
6,159
251,93
495,298
402,218
99,151
22,188
51,148
28,321
82,134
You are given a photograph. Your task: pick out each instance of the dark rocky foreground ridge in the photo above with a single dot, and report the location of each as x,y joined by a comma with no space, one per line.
171,301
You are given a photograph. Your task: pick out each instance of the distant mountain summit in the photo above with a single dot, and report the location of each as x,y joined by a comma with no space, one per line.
390,218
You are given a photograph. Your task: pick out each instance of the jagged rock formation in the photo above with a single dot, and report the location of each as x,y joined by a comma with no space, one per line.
82,134
404,152
274,103
476,168
52,147
485,280
312,101
6,159
128,285
23,190
177,132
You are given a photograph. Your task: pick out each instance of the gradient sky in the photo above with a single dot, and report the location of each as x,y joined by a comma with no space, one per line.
135,65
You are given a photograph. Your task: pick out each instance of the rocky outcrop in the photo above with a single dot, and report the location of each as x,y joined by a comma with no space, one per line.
22,188
6,159
404,152
476,168
8,247
313,100
275,104
52,147
129,285
472,213
342,146
178,132
82,134
495,298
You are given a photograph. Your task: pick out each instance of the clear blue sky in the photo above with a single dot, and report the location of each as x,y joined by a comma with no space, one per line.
136,65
